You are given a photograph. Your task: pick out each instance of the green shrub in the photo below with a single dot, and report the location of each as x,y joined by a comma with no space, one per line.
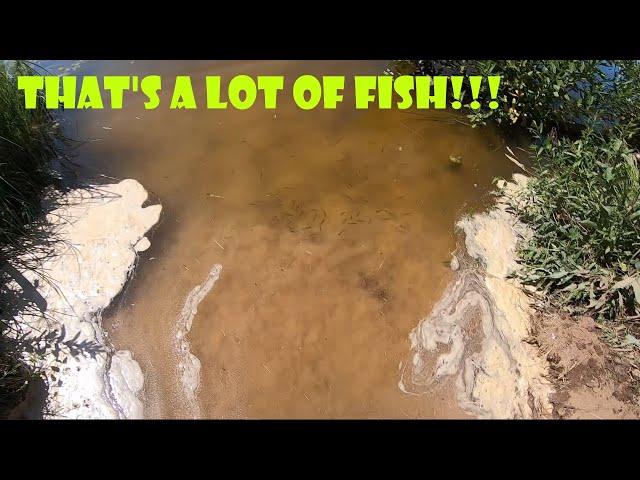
565,95
583,205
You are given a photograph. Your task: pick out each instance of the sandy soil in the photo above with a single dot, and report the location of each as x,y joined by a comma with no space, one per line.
591,379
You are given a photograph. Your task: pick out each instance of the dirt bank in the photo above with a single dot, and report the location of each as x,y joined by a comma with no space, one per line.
591,378
101,229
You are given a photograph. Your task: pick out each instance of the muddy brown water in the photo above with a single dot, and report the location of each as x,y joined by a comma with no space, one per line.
333,229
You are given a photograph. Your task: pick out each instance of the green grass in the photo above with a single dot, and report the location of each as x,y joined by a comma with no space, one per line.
30,143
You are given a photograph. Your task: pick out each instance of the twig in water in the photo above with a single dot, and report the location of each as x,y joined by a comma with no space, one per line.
515,161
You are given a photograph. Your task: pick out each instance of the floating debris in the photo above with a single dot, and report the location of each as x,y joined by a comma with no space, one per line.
455,160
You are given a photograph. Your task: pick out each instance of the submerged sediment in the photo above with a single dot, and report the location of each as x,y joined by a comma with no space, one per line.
476,332
100,229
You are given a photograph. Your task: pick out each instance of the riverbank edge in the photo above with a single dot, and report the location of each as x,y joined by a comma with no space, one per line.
101,228
590,375
511,356
476,333
514,380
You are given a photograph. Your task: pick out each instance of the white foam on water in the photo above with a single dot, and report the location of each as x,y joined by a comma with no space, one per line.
188,364
481,321
99,228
